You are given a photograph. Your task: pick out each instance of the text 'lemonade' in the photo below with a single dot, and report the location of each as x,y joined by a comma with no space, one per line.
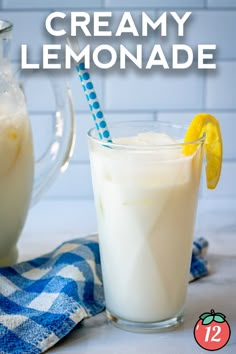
146,193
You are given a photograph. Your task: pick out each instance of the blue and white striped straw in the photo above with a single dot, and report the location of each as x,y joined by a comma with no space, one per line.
93,103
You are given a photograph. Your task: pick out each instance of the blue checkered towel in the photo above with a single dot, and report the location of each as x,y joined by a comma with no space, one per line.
42,300
199,266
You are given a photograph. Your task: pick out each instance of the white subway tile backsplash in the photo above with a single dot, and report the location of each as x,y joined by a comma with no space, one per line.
84,122
128,116
75,182
45,4
133,94
183,118
154,3
38,91
227,122
213,27
205,27
42,126
221,3
38,87
153,90
228,126
221,87
28,29
226,186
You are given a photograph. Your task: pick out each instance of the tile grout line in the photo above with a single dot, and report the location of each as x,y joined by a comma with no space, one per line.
204,91
27,7
154,111
104,93
120,8
143,111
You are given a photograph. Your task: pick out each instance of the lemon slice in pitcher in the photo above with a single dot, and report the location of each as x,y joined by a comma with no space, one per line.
204,123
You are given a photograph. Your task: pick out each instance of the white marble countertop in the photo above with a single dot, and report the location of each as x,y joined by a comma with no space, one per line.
52,222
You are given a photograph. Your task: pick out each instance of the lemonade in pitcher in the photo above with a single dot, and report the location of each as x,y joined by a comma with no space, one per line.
16,159
20,187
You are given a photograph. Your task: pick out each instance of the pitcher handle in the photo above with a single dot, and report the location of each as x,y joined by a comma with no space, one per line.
60,150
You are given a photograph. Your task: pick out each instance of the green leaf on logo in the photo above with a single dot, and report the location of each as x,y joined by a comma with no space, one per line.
218,318
204,315
208,320
220,314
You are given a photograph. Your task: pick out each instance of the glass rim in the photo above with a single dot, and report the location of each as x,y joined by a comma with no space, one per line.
5,26
118,146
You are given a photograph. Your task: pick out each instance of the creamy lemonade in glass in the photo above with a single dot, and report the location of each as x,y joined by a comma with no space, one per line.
146,193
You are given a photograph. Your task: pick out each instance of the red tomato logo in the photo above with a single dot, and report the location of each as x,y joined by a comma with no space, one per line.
212,331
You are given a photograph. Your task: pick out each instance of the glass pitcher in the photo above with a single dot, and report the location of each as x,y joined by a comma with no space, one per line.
22,180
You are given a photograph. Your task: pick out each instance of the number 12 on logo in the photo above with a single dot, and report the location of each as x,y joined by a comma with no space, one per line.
212,331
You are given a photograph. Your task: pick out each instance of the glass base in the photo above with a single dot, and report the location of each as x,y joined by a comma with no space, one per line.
145,327
9,258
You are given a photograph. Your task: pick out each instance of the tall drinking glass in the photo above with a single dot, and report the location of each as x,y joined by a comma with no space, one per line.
146,194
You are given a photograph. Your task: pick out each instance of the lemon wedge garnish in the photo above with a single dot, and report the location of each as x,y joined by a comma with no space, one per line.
206,124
